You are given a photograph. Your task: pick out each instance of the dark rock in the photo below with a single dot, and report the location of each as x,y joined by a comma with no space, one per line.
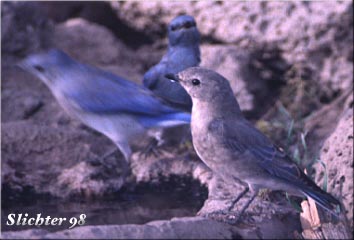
24,29
337,157
255,74
94,44
96,12
54,161
319,35
177,162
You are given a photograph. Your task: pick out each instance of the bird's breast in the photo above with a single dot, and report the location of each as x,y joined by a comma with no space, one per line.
182,58
205,142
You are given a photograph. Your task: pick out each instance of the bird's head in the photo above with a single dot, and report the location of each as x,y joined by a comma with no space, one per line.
202,84
183,30
47,65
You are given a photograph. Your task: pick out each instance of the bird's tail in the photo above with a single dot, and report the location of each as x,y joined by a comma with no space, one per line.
321,197
166,120
174,119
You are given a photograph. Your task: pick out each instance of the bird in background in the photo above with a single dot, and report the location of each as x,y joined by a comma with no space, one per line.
235,150
120,109
183,52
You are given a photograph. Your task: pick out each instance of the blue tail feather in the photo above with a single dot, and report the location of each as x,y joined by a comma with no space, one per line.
324,199
166,120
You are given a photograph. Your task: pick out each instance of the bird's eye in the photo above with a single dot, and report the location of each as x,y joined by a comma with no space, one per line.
39,68
195,82
174,28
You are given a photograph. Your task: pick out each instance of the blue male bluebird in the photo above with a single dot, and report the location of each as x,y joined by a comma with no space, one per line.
183,52
120,109
232,148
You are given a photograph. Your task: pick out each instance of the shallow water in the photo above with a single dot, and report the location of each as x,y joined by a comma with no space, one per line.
145,203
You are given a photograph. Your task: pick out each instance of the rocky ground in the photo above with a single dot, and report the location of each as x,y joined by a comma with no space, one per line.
290,65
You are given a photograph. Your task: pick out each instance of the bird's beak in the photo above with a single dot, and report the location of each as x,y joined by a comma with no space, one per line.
173,77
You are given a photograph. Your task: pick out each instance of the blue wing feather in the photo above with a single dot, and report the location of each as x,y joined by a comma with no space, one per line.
164,120
268,156
111,94
151,77
245,137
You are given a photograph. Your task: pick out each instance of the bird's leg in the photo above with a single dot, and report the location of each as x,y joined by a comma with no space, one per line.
101,160
156,140
109,153
255,193
234,201
151,148
123,147
238,198
232,219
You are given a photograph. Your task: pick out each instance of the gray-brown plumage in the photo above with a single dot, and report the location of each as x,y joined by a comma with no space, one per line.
232,148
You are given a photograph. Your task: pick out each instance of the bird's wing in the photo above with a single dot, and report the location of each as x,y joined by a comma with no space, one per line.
242,136
152,76
245,137
171,93
110,94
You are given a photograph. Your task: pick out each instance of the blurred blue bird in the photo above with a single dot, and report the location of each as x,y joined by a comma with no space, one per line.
113,106
183,52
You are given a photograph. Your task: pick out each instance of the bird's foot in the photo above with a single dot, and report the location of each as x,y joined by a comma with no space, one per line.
151,149
102,160
218,215
225,216
233,218
222,212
